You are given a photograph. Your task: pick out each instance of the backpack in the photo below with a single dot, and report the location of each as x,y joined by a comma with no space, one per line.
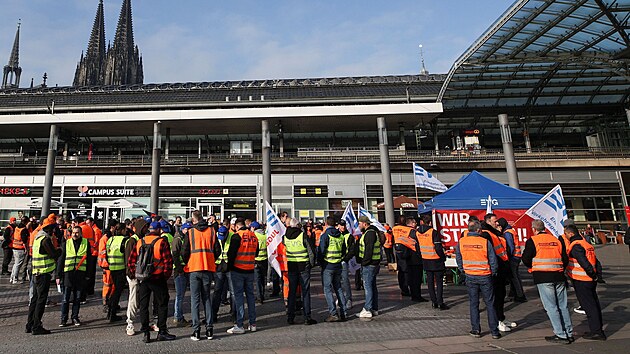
144,265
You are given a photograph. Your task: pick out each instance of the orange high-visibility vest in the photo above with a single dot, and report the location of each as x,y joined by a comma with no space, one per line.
88,234
389,243
574,269
518,249
465,233
499,245
31,239
402,236
474,252
97,233
102,252
282,258
548,254
427,247
158,262
245,257
201,251
567,242
16,239
318,235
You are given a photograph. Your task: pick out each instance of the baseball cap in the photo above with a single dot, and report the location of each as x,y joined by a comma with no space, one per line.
342,223
255,225
222,233
186,226
165,226
155,225
364,219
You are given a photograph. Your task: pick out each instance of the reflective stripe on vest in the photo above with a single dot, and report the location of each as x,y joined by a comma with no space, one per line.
16,239
296,251
499,244
402,236
115,258
333,252
574,269
246,254
427,247
262,247
42,263
548,254
225,246
201,251
74,258
376,252
474,252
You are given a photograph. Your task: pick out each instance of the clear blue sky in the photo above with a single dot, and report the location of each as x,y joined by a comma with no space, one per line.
202,40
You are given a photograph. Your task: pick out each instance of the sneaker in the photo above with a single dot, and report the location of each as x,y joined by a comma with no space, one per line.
496,336
76,322
556,339
475,334
236,330
509,323
196,336
252,328
503,327
594,336
443,307
180,323
63,324
332,318
364,314
520,299
154,328
579,310
131,330
209,333
115,318
165,336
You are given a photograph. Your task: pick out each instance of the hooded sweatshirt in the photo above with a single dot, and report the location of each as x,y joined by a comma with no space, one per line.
324,241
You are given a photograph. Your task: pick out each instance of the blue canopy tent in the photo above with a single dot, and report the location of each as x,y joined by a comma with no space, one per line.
471,193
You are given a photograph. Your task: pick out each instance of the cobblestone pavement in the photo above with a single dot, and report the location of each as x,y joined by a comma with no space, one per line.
402,326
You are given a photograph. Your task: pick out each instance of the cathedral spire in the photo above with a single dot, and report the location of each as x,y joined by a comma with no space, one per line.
12,71
96,45
91,68
123,59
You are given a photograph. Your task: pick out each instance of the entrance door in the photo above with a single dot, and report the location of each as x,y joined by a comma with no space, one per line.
210,207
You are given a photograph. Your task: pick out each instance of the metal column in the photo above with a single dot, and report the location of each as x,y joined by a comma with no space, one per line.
155,167
387,177
528,142
266,165
508,151
50,170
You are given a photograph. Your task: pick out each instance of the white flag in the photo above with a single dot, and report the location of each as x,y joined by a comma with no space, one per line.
275,231
373,220
551,210
352,224
489,205
426,180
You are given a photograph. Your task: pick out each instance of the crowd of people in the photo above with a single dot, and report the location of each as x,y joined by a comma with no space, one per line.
227,263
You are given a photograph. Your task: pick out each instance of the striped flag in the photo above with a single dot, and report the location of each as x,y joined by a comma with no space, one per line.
426,180
275,231
373,220
551,210
351,221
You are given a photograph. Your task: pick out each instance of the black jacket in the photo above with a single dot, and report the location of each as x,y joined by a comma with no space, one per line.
370,235
434,265
544,277
73,279
291,234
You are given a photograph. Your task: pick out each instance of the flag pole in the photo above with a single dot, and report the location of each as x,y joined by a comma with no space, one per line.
417,202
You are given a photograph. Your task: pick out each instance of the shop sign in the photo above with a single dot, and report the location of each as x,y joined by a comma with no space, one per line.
213,191
8,192
85,191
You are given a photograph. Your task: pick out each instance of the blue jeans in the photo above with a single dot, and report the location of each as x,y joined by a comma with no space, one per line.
345,281
368,274
304,279
483,284
260,272
181,283
332,284
200,293
221,286
244,282
73,294
554,299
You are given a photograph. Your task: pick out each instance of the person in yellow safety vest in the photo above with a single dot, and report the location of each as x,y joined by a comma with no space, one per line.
222,275
515,252
350,253
490,230
45,257
582,269
546,257
332,250
262,264
370,259
433,258
166,231
115,255
300,261
108,284
71,272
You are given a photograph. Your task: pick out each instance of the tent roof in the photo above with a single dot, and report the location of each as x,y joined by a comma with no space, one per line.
471,193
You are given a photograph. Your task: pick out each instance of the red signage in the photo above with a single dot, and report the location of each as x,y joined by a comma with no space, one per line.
451,224
215,191
15,191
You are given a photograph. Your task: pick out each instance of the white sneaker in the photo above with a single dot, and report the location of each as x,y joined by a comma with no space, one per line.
509,323
348,305
131,330
364,314
503,327
252,328
579,310
236,330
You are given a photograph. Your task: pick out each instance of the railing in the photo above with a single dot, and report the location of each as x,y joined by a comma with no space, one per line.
316,157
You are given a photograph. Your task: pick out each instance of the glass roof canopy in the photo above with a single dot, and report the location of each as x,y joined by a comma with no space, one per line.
545,57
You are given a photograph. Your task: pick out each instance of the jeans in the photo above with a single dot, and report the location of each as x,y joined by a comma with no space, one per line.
331,278
345,281
132,304
304,280
41,285
244,282
483,284
435,280
200,295
8,255
221,286
70,294
369,284
19,256
554,299
516,285
181,284
260,272
159,289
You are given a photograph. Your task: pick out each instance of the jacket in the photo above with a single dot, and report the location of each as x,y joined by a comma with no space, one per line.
544,277
350,247
74,279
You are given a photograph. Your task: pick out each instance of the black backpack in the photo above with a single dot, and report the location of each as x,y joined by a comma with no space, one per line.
144,265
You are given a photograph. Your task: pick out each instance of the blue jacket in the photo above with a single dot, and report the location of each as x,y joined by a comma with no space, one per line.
509,239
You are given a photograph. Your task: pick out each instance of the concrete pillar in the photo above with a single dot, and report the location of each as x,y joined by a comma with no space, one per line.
50,170
401,135
628,115
266,165
508,151
436,141
387,177
167,143
199,150
155,167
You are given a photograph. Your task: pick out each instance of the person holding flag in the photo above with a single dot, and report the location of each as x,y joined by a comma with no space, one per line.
348,239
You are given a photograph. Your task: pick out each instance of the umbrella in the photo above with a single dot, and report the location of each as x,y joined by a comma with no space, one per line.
36,203
120,203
